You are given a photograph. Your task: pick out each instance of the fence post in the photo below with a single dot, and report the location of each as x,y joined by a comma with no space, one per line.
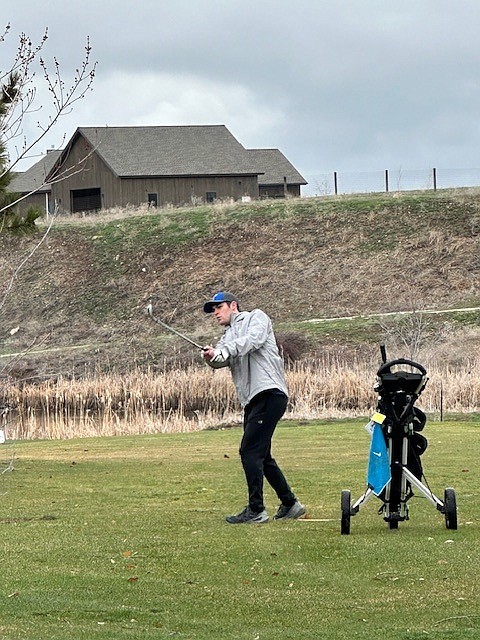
386,180
434,179
441,401
335,183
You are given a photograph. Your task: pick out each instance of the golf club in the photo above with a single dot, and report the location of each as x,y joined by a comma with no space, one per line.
166,326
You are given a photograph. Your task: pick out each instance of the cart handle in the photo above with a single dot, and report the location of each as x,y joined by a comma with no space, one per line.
385,368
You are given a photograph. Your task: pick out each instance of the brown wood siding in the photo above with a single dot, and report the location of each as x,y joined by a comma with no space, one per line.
120,192
277,190
92,173
185,190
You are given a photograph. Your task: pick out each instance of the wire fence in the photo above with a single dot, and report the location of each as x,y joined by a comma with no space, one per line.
338,182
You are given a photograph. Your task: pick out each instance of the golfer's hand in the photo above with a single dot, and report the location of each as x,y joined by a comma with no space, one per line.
208,353
215,356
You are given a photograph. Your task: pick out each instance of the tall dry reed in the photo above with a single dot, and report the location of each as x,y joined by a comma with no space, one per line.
197,398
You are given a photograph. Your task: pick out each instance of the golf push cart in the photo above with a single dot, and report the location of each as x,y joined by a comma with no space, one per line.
394,467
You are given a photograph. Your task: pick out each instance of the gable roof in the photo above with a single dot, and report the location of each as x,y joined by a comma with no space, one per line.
276,167
34,177
167,151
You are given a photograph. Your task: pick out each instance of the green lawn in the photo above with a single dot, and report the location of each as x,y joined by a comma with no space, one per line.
120,538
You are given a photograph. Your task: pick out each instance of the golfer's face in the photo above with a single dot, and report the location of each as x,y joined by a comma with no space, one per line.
222,313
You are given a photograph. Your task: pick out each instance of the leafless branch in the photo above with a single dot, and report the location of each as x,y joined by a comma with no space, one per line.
23,102
408,332
19,267
77,168
18,92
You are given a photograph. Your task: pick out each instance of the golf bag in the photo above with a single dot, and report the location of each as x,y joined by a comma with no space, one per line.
395,469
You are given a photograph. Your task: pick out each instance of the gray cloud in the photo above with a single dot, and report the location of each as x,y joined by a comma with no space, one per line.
351,85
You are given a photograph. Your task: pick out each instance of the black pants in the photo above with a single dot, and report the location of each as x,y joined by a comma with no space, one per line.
260,419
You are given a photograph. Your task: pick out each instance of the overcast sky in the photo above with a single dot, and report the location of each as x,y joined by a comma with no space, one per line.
346,85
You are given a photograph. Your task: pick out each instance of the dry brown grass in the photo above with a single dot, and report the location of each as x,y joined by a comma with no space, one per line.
299,259
199,398
82,300
120,213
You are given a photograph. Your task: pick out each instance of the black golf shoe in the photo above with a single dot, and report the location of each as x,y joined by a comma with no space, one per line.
290,513
247,516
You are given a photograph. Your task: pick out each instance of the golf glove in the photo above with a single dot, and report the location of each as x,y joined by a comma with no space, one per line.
220,356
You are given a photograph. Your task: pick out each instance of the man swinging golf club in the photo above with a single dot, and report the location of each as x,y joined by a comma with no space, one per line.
249,348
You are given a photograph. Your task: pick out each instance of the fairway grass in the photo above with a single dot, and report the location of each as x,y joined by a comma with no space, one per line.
124,538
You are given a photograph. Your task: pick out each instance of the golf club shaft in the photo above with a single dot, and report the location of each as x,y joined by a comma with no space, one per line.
166,326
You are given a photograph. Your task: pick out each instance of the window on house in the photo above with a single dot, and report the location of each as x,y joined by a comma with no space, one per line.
211,196
153,199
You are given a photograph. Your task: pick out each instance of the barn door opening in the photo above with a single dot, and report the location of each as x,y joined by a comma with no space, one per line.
85,200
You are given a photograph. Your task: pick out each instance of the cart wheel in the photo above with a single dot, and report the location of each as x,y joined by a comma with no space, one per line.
393,524
450,506
346,512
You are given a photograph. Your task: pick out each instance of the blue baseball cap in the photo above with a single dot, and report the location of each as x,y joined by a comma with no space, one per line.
218,298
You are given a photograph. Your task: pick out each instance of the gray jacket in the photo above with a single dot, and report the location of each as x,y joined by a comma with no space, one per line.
251,352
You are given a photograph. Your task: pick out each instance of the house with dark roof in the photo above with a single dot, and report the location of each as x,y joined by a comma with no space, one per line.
279,178
105,167
32,185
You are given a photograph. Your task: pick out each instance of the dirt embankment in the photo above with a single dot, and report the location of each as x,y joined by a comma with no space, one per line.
80,298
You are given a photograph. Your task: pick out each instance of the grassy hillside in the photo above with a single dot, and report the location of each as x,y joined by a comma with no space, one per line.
80,298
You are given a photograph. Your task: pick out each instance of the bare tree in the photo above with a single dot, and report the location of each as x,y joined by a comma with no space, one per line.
19,91
18,103
410,332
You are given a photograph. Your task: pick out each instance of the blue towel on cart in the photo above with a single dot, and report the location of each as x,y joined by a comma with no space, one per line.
378,475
